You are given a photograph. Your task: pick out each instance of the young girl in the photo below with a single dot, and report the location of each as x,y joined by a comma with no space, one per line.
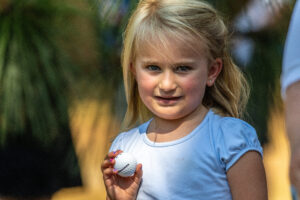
182,85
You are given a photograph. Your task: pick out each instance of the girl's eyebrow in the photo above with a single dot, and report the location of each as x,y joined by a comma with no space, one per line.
148,62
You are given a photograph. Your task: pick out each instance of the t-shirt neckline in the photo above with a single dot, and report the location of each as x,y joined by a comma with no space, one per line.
143,128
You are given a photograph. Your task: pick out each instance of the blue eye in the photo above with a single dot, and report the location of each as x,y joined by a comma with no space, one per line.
153,68
183,69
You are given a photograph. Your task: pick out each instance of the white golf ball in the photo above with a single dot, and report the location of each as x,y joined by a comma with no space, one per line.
125,163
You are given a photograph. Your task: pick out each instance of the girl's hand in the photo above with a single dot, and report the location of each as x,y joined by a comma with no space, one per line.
117,187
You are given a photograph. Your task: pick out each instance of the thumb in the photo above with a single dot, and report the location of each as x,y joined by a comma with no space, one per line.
138,174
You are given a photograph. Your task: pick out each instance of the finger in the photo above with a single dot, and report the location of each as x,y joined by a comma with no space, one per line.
107,164
109,179
108,173
113,154
138,174
109,159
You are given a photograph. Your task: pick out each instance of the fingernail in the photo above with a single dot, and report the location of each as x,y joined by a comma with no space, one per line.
114,152
111,160
115,170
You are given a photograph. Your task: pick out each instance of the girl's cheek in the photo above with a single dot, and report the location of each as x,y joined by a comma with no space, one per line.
191,85
146,87
146,83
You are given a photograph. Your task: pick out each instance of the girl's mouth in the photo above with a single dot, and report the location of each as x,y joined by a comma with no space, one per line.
168,100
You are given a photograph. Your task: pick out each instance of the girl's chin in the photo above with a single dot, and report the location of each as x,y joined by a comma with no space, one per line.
171,114
168,116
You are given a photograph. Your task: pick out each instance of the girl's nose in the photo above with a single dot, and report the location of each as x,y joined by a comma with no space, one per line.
167,82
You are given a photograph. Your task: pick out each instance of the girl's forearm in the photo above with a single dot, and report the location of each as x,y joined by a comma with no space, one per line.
292,114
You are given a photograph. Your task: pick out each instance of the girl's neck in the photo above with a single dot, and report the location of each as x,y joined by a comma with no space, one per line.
162,130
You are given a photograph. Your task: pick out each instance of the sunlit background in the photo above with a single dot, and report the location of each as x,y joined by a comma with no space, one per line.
62,99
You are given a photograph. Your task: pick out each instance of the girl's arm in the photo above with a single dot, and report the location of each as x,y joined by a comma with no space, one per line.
247,178
292,116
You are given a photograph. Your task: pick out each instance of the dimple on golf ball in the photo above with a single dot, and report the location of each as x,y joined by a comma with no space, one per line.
125,163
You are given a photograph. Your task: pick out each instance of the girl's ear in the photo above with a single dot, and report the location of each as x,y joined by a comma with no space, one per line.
213,71
132,69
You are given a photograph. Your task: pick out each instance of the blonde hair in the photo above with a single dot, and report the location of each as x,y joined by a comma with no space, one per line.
188,20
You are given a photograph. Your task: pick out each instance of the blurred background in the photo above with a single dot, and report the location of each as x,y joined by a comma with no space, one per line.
62,99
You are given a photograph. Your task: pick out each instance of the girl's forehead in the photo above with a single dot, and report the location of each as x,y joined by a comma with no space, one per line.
170,47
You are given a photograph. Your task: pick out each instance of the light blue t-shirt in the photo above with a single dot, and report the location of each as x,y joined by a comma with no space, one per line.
192,167
291,57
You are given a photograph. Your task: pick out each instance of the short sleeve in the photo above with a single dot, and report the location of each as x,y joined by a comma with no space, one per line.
234,138
291,56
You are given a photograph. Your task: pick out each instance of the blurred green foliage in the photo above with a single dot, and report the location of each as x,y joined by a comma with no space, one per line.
34,72
263,73
36,78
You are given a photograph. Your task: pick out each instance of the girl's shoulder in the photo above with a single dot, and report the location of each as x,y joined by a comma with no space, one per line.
127,134
138,130
230,128
226,122
230,124
128,137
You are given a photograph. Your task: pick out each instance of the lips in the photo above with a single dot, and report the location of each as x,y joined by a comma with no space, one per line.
167,100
